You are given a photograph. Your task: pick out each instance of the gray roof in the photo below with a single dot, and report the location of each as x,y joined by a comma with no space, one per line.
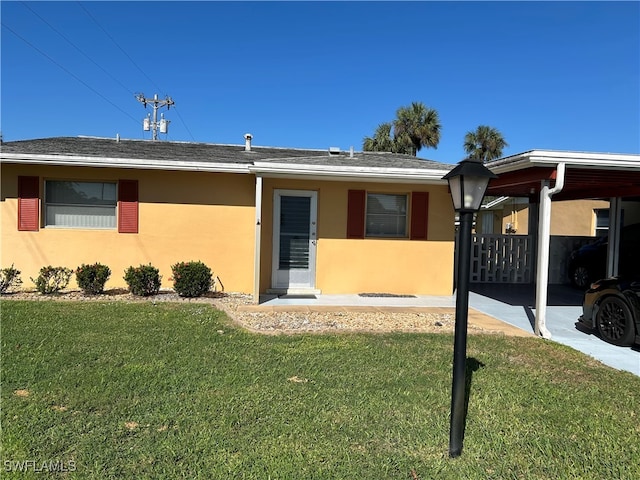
93,147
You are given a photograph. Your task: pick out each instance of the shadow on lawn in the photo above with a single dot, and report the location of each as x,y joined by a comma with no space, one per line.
472,365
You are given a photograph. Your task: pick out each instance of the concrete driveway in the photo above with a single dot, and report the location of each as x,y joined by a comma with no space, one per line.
514,304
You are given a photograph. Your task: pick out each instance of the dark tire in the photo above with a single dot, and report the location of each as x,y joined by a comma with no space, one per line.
615,322
581,277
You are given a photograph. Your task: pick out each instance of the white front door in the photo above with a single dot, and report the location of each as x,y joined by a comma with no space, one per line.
294,239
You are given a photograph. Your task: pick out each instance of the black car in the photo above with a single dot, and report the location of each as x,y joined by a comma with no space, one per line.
589,263
612,306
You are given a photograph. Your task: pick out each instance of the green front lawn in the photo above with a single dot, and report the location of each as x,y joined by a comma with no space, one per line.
168,391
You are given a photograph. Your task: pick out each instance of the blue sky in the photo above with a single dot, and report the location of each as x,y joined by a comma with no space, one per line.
548,75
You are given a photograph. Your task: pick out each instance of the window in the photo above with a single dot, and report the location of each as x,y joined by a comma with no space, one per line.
80,204
386,215
377,215
602,221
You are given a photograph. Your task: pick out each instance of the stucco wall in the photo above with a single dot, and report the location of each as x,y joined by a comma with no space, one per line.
182,216
211,217
568,217
517,214
399,266
575,217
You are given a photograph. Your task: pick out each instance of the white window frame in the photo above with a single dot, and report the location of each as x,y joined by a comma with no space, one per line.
601,218
398,215
80,211
603,230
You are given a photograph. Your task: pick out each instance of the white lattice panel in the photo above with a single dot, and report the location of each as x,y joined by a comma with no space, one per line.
501,259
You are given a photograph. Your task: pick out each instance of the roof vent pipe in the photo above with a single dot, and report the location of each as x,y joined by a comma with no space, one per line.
351,152
247,142
117,137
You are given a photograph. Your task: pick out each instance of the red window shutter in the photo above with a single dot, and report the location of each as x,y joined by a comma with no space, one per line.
128,206
29,204
356,213
419,215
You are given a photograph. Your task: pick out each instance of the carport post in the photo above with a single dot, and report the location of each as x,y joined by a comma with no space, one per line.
613,245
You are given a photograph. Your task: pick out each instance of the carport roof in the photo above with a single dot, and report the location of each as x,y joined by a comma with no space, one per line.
588,175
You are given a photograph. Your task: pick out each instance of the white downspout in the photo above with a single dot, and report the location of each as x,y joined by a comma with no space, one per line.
544,231
258,236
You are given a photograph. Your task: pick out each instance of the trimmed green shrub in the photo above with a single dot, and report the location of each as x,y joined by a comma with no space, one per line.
191,279
9,278
52,279
91,278
143,280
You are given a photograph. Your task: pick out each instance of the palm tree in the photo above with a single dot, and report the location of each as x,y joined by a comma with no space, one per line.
403,144
484,144
381,140
384,141
420,124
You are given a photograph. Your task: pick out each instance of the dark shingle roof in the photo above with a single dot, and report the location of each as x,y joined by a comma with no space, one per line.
212,153
367,159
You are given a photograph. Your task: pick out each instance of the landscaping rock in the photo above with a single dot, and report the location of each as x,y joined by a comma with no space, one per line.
240,308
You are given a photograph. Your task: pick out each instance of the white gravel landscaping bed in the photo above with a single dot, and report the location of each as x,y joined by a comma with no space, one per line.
278,321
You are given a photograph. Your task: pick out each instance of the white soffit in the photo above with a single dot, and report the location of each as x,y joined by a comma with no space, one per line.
342,173
550,158
136,163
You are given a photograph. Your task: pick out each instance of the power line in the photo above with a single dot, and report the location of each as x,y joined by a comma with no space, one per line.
117,45
184,124
90,59
133,62
67,71
78,49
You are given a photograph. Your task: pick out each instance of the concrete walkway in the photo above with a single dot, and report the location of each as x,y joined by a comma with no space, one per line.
506,308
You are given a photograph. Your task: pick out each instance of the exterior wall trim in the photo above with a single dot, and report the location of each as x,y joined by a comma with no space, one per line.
133,163
350,174
552,158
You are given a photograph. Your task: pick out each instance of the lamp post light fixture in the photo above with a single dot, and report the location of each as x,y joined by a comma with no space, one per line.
468,182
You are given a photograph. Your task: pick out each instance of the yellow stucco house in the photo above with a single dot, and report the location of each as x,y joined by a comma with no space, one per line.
511,215
265,219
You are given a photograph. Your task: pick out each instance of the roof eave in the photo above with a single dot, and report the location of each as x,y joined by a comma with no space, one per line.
132,163
314,172
546,158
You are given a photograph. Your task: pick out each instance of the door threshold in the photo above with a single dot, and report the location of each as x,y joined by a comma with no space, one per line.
294,291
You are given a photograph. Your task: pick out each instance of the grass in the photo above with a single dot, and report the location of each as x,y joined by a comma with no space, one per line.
173,391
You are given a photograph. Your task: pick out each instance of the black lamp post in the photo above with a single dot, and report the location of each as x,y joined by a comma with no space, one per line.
468,183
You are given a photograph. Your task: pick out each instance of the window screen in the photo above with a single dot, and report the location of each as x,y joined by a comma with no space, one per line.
386,215
80,204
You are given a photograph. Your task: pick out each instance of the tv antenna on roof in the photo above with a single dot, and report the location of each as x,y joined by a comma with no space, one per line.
154,125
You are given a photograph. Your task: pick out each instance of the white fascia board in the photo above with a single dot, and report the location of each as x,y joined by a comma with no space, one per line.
494,203
499,201
134,163
537,158
315,172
